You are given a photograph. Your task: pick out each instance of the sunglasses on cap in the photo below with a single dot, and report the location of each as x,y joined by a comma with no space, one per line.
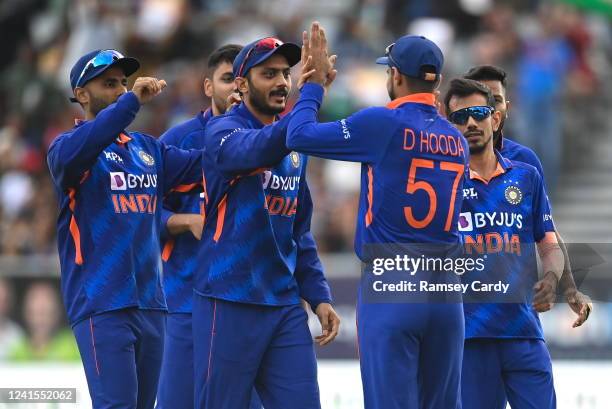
265,44
103,58
479,113
388,55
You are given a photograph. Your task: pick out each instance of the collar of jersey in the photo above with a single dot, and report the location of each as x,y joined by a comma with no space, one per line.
122,139
503,165
421,98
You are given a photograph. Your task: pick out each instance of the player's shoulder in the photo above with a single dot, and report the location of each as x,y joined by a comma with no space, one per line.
447,127
177,133
524,169
182,135
59,138
519,152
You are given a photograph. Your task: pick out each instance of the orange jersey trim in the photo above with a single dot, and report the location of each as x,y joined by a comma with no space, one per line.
185,188
421,98
499,170
221,208
168,247
74,228
368,216
123,139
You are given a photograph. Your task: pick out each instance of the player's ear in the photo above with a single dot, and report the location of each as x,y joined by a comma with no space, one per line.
242,85
208,87
397,76
496,120
508,105
81,95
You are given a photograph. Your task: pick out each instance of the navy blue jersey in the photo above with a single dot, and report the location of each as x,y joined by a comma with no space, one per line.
413,165
256,245
110,183
501,220
179,252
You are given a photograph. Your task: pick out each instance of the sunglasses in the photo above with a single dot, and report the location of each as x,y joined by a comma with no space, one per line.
265,44
103,58
479,113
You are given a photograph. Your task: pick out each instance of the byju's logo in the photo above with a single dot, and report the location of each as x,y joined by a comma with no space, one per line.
465,222
117,180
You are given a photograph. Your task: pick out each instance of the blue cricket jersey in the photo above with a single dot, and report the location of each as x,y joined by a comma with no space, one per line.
413,165
516,152
109,183
256,245
501,220
179,252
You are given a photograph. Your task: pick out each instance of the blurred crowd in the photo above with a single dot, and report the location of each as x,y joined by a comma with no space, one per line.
557,62
558,59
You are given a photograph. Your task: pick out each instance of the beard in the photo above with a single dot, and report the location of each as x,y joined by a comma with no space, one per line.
479,146
97,104
220,105
259,100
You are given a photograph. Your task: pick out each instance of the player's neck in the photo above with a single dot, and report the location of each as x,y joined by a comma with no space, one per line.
484,163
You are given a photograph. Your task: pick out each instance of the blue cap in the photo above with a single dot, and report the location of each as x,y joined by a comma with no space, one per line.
96,62
414,56
258,51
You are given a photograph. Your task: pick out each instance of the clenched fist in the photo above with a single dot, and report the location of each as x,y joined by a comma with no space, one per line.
146,88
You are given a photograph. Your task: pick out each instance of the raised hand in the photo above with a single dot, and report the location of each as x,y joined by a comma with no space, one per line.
315,48
146,88
317,65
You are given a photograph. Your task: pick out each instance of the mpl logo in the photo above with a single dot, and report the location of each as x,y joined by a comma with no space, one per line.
465,222
117,180
112,156
470,193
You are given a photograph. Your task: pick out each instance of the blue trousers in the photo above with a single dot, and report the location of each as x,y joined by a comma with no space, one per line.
238,346
122,352
176,379
500,371
410,354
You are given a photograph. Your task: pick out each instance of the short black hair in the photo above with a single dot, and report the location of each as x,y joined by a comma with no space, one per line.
463,87
488,73
226,53
418,85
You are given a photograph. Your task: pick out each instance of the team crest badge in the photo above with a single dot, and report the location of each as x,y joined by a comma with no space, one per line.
513,195
295,159
146,158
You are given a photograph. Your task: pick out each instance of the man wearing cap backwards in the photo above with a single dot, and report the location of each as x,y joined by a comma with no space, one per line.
110,184
258,257
410,351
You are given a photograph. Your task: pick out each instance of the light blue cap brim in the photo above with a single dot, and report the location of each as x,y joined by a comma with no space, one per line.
383,61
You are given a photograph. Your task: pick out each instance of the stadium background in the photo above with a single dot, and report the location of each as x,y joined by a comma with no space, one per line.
558,55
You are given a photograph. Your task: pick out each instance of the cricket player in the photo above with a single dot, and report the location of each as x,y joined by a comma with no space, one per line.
110,184
496,79
182,226
507,211
410,352
258,257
